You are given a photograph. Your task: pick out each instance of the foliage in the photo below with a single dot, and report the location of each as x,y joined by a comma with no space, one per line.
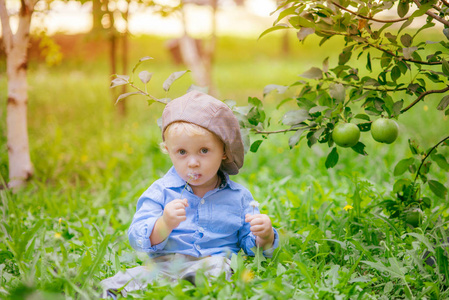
401,69
67,230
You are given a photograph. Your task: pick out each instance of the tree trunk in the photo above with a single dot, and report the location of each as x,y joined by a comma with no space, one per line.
192,57
97,15
16,45
124,58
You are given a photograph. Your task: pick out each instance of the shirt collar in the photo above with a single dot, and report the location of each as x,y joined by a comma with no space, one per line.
172,180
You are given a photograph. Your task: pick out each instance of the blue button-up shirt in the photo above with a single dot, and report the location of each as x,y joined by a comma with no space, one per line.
215,223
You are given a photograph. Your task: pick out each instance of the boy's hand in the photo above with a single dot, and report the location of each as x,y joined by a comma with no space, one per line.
175,213
261,227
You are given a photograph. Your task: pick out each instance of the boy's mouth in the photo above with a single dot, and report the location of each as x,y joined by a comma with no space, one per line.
193,176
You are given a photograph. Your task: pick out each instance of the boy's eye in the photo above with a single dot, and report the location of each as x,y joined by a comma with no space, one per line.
204,150
182,151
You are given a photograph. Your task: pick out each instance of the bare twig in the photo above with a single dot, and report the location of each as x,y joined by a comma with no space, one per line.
145,93
423,95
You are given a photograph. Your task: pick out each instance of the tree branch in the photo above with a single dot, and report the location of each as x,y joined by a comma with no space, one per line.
431,63
445,2
368,18
427,155
6,27
433,15
423,95
257,131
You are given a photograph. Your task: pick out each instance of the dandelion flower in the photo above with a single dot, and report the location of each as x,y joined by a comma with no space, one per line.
192,176
348,207
58,235
247,275
254,205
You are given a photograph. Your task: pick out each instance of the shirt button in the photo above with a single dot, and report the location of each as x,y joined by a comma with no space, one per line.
139,242
201,229
198,247
202,201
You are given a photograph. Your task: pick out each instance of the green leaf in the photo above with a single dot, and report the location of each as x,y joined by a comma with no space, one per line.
397,106
274,28
445,67
345,56
443,103
338,92
145,58
437,188
368,62
294,117
359,148
395,73
313,73
422,9
281,89
440,160
402,166
145,76
294,139
385,60
406,40
362,117
255,146
172,78
119,80
400,184
122,96
403,8
332,158
408,52
288,11
304,32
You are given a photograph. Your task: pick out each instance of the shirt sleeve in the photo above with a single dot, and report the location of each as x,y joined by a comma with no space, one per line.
150,207
247,240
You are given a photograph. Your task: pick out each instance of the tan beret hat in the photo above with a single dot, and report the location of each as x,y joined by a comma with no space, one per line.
214,115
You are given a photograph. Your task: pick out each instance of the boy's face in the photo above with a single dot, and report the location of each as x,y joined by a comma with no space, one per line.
196,158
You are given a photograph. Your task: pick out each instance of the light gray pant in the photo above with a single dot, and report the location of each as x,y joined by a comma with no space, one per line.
172,267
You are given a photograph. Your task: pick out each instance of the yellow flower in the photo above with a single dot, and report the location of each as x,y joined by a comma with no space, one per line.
58,235
247,275
60,220
348,207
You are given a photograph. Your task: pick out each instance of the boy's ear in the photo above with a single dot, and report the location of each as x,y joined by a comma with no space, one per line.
224,156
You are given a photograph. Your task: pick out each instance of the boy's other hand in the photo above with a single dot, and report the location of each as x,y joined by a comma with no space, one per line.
175,213
261,227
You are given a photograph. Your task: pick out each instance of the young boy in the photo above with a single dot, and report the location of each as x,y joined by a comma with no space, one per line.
195,217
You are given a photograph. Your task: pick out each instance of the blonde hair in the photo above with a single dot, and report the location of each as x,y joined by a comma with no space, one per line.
189,129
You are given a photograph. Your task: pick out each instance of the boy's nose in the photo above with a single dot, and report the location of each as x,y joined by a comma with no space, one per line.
193,162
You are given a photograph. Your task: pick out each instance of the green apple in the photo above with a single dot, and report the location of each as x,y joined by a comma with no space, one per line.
384,130
346,135
413,218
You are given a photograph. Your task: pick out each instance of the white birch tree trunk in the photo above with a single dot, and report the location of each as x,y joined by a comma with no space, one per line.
20,167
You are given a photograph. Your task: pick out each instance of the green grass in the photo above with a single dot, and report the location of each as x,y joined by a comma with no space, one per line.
66,230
